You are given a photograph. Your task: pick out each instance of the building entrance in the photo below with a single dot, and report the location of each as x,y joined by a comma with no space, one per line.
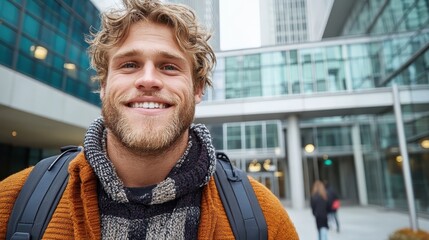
339,171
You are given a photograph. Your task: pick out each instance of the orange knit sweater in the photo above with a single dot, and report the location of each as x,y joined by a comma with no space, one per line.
77,215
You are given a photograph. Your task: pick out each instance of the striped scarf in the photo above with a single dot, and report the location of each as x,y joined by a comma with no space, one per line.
168,210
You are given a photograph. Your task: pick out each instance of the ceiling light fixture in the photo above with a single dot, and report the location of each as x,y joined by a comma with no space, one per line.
39,52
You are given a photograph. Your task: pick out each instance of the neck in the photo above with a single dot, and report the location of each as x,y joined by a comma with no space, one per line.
139,170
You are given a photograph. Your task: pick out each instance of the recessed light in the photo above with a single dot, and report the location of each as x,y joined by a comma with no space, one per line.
425,143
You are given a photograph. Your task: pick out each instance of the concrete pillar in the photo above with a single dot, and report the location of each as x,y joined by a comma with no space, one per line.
359,166
295,163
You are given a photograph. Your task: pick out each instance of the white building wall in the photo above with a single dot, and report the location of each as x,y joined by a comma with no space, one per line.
317,17
23,93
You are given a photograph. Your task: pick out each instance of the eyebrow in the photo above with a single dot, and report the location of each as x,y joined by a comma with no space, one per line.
136,52
174,56
125,54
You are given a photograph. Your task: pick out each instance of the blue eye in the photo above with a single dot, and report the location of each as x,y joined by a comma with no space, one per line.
169,67
129,65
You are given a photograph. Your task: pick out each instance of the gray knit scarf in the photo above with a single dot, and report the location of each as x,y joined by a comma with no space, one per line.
168,210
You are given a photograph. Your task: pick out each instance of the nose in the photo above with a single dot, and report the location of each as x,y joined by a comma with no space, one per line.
148,79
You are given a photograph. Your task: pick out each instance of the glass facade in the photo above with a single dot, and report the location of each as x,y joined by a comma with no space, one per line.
406,63
389,46
330,68
263,136
385,17
45,41
383,160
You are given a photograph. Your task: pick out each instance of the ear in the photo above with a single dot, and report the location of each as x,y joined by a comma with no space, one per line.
101,92
199,90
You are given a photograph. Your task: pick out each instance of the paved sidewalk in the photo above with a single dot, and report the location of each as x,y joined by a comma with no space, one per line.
356,223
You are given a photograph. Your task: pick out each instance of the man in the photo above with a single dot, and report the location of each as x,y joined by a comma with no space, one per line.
146,170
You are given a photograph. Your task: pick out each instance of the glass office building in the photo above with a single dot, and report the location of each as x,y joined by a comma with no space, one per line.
325,110
45,40
46,96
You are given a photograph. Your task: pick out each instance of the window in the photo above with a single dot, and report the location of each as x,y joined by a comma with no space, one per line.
216,132
47,36
7,35
31,26
233,134
272,135
9,13
253,136
34,8
6,55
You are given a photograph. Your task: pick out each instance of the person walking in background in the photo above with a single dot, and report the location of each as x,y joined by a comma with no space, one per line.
319,207
333,203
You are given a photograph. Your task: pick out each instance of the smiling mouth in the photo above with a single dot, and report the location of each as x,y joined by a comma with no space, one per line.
148,105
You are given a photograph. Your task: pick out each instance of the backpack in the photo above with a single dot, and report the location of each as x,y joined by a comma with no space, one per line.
44,186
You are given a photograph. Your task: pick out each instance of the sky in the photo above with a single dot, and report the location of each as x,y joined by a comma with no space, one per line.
239,22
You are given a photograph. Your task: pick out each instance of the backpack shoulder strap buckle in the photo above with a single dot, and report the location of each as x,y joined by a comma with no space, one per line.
230,171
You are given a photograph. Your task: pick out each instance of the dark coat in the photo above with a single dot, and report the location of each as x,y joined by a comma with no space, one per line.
320,207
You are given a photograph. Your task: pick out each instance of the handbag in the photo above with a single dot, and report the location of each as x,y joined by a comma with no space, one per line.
336,204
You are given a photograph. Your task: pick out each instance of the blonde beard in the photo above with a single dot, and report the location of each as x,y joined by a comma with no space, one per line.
148,138
151,138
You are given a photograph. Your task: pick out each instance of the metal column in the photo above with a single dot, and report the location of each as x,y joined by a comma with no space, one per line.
405,160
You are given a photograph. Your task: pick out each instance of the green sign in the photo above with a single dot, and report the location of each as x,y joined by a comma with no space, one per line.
328,162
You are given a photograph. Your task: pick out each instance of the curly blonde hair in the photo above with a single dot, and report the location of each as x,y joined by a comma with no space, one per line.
191,37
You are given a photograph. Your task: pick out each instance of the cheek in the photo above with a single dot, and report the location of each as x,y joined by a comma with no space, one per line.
112,88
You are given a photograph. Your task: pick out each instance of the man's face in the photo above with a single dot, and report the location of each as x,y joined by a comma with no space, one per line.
149,98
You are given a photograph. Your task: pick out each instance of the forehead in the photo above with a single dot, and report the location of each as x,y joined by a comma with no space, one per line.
150,37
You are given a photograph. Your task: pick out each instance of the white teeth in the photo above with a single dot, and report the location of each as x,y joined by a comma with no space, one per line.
148,105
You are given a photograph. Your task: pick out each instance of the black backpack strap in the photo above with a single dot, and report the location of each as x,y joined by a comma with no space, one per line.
239,200
40,195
